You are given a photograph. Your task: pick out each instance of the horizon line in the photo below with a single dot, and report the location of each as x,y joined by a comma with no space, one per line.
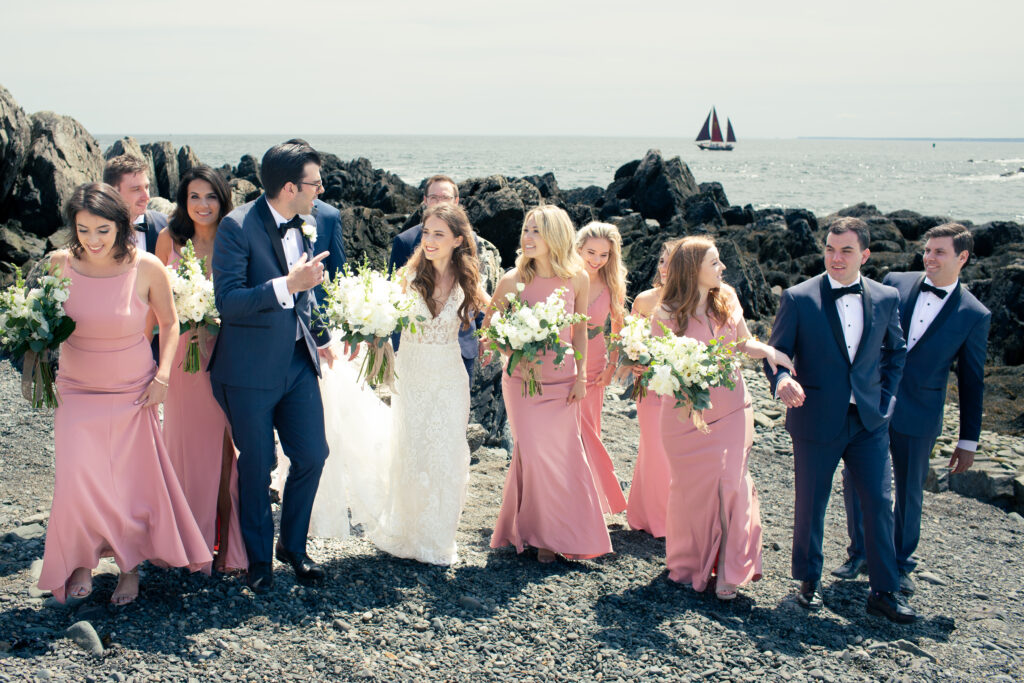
550,135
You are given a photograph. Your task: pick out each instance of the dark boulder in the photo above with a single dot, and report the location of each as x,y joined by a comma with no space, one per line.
496,209
911,224
738,215
62,156
988,238
592,195
794,216
1004,296
716,192
165,163
546,185
656,188
358,183
367,234
243,191
15,139
187,159
248,168
859,210
745,276
703,209
486,404
18,246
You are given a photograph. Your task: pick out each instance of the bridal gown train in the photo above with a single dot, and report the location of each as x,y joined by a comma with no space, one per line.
401,471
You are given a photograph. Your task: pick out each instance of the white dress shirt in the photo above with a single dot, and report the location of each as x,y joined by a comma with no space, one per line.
139,236
851,317
292,253
926,309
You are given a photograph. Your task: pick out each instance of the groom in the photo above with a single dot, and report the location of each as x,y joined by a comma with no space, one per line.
265,364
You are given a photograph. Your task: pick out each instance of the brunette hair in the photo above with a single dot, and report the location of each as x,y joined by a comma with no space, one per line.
963,240
120,166
557,232
100,199
464,263
285,163
666,250
439,178
181,227
680,295
855,225
613,272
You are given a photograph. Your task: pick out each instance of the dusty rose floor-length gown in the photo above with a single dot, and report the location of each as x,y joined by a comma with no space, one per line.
194,428
608,486
714,521
550,498
647,508
115,492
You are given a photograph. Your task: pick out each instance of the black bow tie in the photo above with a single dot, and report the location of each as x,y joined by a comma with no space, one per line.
295,222
837,292
941,293
141,227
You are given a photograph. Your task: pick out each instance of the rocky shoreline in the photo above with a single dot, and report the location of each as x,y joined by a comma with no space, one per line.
498,616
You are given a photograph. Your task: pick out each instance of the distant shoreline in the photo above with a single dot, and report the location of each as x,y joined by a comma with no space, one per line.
164,135
838,137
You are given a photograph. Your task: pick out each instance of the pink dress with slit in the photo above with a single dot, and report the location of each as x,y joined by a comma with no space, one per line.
194,428
608,486
550,499
714,521
115,491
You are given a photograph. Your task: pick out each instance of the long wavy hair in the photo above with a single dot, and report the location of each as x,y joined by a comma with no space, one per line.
465,264
104,201
557,232
666,251
181,226
613,273
680,295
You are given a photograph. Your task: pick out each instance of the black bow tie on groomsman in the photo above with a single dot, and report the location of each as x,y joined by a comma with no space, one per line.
941,293
838,292
295,222
141,227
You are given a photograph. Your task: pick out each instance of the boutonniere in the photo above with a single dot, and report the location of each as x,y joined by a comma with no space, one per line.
309,231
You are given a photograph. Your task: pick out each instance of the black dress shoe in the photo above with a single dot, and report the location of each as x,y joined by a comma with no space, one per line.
854,567
809,596
891,606
906,585
306,570
260,577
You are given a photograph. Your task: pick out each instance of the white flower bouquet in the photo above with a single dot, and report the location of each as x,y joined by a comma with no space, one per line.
633,342
194,302
688,369
529,331
369,306
32,324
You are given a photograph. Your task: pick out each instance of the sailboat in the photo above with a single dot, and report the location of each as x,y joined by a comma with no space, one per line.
710,135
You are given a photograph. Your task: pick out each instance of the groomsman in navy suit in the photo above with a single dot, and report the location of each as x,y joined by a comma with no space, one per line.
439,189
945,325
842,331
129,175
266,360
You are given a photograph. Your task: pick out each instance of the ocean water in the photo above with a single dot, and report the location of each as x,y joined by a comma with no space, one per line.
954,179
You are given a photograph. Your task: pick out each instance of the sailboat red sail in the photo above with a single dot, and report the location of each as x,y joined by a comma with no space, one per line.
710,135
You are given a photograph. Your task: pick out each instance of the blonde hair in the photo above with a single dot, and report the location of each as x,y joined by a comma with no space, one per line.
613,272
558,234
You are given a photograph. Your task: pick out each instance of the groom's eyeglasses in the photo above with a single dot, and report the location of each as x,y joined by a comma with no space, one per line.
318,184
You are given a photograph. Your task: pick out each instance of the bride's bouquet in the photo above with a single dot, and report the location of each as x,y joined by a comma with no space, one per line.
368,307
633,342
688,369
193,300
529,331
33,324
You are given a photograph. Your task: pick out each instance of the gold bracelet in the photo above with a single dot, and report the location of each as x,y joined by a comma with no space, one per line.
160,381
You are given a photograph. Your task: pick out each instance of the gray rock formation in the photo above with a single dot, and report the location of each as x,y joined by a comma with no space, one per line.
15,138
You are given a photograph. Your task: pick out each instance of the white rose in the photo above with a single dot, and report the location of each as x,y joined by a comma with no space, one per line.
663,382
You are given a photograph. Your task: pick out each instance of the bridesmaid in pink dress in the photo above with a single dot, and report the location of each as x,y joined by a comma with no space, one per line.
550,501
115,492
647,507
600,245
195,428
714,522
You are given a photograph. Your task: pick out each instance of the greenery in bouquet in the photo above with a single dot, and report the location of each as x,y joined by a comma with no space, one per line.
633,342
32,325
526,332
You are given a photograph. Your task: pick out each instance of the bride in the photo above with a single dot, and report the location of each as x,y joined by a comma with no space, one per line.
406,474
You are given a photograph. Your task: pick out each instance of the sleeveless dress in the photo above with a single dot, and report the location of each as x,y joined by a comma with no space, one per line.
714,521
194,427
550,498
608,486
115,492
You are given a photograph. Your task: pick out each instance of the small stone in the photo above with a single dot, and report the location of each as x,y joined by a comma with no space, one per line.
913,649
341,625
933,579
27,532
691,631
85,636
43,675
469,602
1016,518
762,420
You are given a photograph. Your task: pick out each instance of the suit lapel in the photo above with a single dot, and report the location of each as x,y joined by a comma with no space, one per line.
946,311
908,305
828,305
275,237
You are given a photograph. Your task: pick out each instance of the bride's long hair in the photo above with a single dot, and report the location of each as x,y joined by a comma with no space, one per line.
680,295
465,264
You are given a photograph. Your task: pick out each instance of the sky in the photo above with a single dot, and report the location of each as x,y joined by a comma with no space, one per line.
521,67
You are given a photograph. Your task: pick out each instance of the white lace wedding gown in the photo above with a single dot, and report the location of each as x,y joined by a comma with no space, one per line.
404,478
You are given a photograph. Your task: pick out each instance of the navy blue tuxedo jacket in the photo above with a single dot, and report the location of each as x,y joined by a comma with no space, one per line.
328,238
402,248
257,335
958,334
155,223
807,329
